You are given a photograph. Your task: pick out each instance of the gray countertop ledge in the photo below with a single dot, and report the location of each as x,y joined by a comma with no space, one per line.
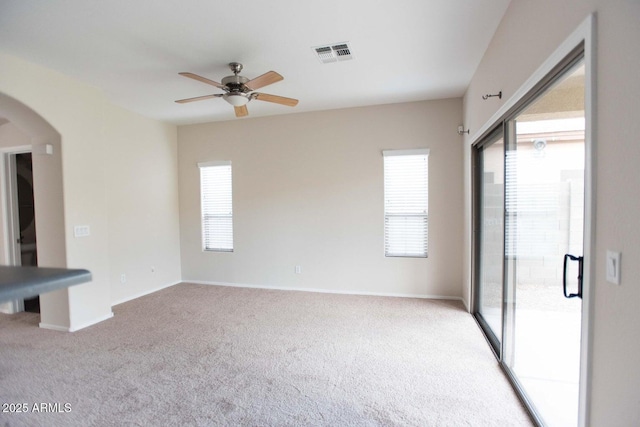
27,282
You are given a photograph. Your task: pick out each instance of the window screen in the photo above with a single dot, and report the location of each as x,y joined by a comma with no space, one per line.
216,205
406,204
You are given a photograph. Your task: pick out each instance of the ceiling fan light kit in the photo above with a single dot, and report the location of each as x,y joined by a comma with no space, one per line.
236,99
239,90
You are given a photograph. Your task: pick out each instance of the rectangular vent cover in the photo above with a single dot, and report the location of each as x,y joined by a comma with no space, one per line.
333,53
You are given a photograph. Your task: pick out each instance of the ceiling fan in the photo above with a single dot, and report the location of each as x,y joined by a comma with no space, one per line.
239,90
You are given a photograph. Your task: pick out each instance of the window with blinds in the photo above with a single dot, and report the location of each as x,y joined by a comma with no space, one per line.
406,202
216,205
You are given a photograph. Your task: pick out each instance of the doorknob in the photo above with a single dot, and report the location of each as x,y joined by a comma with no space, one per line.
568,257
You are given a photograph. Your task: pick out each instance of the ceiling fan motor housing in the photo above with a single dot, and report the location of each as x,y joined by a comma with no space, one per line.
236,83
238,93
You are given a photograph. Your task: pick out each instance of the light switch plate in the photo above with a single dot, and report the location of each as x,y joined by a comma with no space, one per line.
613,267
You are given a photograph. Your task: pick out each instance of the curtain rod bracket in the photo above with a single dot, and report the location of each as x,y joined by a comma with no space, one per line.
487,96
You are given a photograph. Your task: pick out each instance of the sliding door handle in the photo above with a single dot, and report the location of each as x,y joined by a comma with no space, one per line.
568,257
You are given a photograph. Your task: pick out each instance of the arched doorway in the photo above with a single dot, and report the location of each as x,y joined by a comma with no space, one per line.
34,133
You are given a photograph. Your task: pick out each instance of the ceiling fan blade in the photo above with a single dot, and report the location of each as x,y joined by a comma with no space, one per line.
198,98
203,80
290,102
266,79
241,111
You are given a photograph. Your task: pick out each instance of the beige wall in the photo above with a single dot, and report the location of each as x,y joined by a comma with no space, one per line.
142,194
308,191
95,137
527,36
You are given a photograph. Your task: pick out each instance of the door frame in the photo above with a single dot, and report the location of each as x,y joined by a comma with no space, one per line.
9,212
583,36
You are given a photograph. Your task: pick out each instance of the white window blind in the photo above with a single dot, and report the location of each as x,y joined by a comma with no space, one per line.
406,202
216,205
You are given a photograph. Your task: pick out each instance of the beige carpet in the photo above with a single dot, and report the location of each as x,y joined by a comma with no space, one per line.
207,356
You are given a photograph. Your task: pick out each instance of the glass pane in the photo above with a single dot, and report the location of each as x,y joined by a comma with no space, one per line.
217,208
491,236
544,212
406,204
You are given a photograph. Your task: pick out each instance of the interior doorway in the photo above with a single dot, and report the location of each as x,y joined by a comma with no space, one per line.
26,220
20,217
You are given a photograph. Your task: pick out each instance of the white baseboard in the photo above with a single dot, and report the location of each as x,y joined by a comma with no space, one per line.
92,322
54,327
326,291
466,306
77,327
141,294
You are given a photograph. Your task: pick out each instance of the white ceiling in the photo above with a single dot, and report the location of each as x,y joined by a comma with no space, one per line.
404,50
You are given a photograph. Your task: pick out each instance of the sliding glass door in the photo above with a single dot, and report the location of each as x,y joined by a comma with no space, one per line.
490,237
529,234
544,204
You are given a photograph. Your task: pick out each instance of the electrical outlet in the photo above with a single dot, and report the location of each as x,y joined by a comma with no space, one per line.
123,278
298,269
81,231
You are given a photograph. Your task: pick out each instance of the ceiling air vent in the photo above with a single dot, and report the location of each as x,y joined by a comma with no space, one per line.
333,53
